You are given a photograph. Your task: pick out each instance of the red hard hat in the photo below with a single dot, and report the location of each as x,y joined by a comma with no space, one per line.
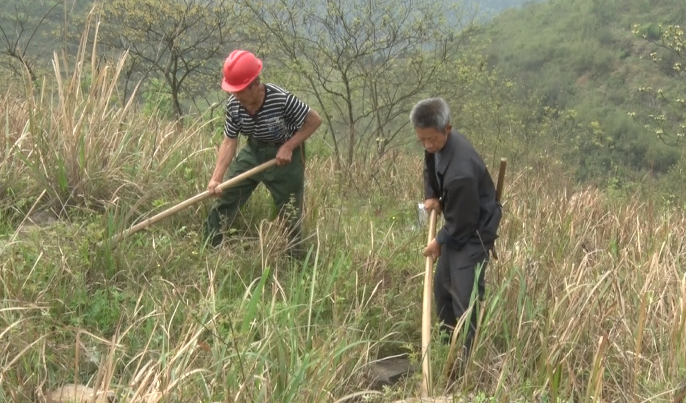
240,69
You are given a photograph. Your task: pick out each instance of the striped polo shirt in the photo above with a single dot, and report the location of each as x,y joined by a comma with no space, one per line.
281,115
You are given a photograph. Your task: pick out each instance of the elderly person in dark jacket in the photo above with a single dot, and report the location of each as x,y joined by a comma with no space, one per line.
456,183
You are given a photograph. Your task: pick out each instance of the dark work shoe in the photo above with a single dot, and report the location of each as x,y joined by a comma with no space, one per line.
217,239
214,238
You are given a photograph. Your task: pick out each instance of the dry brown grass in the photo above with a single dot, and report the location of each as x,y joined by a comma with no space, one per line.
76,138
591,294
587,301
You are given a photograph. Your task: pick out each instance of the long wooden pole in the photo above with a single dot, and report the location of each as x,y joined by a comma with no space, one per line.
499,192
426,312
501,179
199,197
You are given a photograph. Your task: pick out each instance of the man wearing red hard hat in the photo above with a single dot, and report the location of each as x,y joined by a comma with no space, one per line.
276,124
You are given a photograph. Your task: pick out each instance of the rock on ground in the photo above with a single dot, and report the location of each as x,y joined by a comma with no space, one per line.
389,371
78,394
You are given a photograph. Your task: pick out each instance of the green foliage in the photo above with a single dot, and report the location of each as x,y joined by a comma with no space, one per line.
666,105
583,55
671,188
158,99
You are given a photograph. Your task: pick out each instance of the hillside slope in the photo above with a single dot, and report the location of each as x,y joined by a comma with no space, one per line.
583,55
491,8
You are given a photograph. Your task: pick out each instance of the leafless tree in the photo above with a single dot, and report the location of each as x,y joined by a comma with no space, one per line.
179,41
364,62
24,33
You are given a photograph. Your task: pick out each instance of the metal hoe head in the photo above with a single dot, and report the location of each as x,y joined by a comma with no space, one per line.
422,215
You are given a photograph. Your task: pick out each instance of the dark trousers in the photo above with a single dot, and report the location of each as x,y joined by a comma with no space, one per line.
285,183
454,283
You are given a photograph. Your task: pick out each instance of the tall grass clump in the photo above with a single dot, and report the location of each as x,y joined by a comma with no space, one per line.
76,138
588,299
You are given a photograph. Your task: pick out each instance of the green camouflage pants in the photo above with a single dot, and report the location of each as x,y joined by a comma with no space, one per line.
286,184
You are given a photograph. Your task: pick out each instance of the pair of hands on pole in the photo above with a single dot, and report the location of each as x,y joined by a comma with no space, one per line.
283,157
433,249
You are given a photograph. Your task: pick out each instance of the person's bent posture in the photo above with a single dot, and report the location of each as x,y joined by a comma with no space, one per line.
276,124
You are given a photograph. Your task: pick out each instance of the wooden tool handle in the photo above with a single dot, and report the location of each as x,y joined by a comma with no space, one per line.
501,179
426,311
175,209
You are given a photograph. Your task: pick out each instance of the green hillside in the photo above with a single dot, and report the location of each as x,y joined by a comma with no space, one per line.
584,55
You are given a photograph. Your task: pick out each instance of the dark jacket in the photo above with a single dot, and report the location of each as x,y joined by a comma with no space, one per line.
466,192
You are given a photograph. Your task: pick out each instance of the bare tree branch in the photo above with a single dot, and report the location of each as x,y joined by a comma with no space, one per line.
363,61
20,29
178,40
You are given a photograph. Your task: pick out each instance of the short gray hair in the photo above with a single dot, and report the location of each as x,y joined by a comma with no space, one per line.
431,113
